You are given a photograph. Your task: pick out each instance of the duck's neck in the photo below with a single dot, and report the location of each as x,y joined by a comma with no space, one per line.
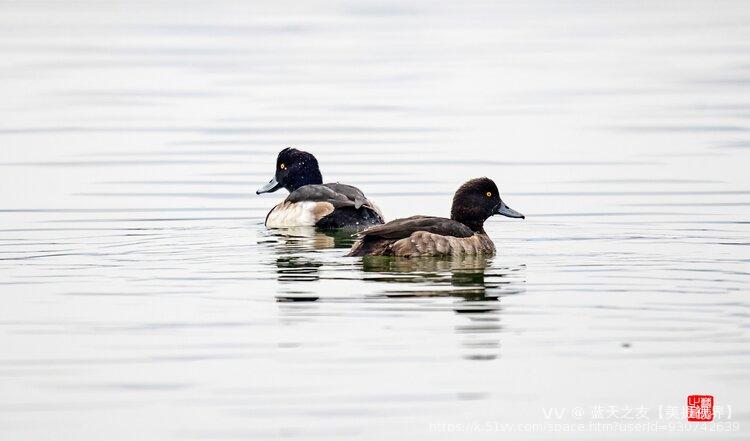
476,227
305,176
469,218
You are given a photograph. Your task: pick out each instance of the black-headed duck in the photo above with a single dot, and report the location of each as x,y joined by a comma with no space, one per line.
462,234
312,203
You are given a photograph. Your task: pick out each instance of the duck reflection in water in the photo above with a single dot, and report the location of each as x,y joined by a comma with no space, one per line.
472,281
468,285
295,239
297,248
459,276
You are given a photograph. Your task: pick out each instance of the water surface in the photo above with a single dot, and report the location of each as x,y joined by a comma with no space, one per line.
142,297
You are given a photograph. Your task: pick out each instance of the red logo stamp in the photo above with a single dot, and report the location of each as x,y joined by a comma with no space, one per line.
700,408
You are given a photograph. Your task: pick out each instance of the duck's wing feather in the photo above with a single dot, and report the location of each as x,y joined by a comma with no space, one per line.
316,193
353,194
401,228
340,195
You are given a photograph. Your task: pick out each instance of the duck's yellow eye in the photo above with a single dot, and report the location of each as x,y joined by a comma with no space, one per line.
489,194
282,166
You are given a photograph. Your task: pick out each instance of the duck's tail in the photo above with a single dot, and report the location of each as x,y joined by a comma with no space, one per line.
370,246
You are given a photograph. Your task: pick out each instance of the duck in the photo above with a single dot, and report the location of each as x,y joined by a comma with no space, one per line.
313,203
463,234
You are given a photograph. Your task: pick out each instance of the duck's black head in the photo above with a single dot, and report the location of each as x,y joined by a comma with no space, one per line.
477,200
294,168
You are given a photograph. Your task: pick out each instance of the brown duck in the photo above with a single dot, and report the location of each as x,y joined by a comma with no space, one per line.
462,234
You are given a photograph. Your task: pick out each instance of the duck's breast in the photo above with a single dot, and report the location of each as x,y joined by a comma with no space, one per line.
295,214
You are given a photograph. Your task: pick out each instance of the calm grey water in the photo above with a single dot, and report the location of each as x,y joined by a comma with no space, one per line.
142,297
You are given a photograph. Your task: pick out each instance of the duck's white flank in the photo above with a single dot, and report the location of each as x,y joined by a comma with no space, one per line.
297,214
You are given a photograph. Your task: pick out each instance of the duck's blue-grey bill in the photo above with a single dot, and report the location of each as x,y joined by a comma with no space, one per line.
272,186
507,211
